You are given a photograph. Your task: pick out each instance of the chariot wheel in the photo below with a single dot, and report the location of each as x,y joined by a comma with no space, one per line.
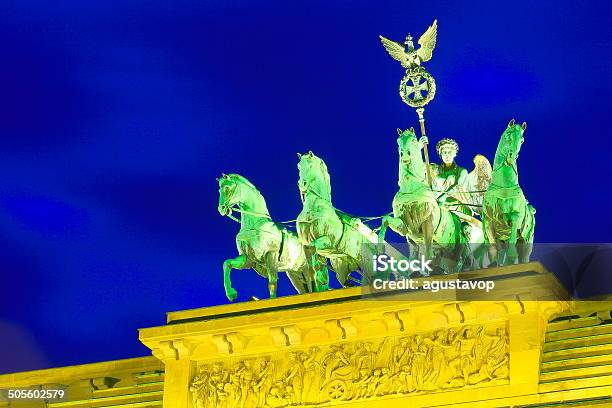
337,390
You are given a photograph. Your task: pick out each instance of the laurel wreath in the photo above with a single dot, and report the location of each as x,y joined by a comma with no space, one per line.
415,75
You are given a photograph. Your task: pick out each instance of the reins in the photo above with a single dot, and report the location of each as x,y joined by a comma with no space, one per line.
364,219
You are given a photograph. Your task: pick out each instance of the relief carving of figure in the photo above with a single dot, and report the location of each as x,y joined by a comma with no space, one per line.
445,358
420,363
334,359
440,371
312,375
198,390
296,376
399,354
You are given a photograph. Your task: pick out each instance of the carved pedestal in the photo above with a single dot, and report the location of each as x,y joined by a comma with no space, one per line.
346,347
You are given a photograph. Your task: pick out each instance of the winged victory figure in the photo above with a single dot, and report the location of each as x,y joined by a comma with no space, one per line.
406,54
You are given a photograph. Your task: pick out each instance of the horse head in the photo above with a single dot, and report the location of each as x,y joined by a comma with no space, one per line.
411,162
228,194
510,145
236,190
314,176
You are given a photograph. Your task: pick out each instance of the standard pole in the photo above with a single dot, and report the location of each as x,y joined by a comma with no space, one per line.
420,112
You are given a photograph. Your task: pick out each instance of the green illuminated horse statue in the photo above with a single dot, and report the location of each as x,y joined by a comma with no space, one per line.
323,230
417,215
262,244
507,216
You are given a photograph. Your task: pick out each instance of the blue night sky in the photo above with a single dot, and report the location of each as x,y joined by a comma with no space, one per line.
116,118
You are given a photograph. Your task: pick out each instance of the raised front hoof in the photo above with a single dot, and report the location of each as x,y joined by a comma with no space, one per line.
231,294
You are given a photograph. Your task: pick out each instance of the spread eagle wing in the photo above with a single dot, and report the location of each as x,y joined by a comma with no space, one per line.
396,50
428,42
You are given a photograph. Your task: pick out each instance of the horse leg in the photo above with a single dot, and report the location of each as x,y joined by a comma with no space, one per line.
396,225
490,243
413,248
240,262
342,270
300,279
271,270
321,279
309,280
527,245
365,262
460,254
427,229
478,255
512,254
272,279
524,250
320,271
310,255
304,271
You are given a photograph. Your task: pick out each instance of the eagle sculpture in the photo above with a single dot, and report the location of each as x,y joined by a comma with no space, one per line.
406,54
